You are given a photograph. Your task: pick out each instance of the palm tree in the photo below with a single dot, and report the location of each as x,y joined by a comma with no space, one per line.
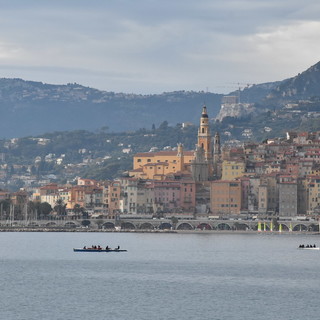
60,208
78,210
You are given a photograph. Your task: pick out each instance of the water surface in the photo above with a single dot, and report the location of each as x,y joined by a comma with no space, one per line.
162,276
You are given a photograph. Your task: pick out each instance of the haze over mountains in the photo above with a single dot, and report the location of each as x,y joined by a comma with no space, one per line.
32,108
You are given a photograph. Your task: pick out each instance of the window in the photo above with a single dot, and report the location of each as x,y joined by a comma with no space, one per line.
139,160
149,160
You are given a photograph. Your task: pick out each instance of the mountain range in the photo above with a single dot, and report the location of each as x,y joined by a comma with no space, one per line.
33,108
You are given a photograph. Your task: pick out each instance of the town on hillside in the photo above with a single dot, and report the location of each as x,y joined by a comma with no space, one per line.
276,179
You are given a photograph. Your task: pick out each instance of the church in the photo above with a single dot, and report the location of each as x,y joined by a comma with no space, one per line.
201,164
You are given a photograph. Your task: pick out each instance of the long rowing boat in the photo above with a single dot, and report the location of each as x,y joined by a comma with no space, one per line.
97,250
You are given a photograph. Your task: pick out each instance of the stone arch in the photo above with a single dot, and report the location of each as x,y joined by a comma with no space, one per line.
146,226
300,227
165,226
241,226
108,225
33,224
223,226
51,224
128,225
204,226
313,227
70,224
185,226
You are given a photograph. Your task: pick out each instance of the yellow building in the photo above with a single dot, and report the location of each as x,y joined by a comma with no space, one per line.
156,165
232,169
313,193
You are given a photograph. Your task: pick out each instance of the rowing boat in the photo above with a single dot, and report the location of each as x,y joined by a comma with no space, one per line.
97,250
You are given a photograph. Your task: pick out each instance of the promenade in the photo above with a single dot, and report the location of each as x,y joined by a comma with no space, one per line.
160,225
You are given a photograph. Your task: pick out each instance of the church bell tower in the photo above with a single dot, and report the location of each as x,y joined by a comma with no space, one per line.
204,139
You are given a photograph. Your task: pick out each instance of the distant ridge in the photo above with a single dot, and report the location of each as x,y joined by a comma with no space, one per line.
303,86
32,108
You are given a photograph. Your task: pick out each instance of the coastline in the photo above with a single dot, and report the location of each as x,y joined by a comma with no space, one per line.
84,230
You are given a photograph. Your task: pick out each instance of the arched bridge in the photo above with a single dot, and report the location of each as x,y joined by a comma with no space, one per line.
168,224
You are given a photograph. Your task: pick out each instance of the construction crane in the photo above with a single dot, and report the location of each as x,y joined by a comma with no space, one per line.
241,86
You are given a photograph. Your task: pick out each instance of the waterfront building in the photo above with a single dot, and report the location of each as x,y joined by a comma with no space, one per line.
263,198
225,197
313,193
245,189
137,196
65,194
288,195
112,196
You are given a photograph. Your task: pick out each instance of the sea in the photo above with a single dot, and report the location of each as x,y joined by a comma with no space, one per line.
214,276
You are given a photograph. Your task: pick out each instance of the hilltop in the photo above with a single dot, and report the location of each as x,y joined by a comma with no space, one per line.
31,108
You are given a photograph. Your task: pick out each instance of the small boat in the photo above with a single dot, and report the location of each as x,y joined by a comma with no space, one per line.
309,248
98,250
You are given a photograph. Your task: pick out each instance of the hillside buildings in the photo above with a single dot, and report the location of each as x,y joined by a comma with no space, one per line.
276,178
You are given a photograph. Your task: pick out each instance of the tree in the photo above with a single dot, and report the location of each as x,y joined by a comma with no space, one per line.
43,209
163,125
85,223
99,222
5,208
78,210
60,208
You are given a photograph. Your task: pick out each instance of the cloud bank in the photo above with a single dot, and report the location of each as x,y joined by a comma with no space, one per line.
149,46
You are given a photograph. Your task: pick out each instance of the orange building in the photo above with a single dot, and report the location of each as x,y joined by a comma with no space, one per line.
113,198
225,197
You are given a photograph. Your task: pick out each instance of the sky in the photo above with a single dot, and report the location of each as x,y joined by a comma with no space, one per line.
155,46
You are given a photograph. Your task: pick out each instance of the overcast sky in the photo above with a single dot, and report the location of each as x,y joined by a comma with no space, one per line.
155,46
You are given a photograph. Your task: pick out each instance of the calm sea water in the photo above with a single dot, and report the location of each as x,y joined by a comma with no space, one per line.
162,276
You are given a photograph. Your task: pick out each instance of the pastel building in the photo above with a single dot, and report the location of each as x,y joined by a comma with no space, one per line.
156,165
232,169
225,197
